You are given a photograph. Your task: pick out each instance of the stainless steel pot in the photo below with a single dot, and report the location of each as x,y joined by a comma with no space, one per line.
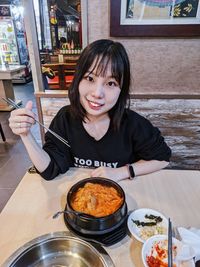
59,249
90,225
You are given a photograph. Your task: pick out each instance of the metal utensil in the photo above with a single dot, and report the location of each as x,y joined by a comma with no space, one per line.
170,259
12,103
59,249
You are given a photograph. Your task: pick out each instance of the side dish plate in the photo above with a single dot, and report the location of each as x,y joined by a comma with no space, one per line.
139,231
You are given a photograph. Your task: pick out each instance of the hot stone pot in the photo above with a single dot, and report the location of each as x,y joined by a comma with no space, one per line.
90,225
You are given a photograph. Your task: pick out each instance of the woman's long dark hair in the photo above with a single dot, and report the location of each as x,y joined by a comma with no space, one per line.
103,52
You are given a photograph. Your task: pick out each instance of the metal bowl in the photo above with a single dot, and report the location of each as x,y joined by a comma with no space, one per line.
90,225
59,249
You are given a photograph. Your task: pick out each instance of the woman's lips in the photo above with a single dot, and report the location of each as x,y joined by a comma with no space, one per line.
94,105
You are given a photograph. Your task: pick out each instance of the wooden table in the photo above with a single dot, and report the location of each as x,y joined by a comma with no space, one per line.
6,87
28,213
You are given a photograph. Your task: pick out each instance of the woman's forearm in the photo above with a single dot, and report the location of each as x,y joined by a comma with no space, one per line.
142,167
38,156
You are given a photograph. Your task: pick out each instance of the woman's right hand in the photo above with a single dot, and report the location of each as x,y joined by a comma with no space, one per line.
22,119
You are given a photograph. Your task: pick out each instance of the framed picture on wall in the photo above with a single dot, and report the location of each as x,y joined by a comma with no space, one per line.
5,11
154,18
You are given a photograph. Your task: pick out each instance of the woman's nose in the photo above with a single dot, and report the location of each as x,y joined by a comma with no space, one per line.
98,90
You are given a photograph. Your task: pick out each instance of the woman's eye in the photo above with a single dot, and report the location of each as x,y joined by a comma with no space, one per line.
112,83
89,78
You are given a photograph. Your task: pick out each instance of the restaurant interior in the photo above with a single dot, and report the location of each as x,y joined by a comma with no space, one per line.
40,45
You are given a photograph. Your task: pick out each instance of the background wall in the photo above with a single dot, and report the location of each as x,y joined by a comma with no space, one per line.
158,65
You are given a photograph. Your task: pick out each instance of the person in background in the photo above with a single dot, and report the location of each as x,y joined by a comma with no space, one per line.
63,43
103,133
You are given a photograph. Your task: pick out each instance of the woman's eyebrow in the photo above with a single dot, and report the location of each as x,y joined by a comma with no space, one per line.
95,74
112,77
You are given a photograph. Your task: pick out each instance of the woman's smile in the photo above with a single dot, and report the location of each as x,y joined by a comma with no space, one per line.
94,105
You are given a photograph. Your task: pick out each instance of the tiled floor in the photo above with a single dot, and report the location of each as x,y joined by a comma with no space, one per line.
14,160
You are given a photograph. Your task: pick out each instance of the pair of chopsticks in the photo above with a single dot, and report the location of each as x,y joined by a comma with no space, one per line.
170,246
13,104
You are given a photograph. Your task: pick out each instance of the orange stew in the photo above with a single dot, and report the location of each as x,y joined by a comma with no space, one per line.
96,199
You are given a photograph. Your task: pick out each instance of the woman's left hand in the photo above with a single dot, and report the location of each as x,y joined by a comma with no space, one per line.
115,174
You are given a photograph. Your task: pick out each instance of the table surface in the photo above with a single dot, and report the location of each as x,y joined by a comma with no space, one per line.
7,73
28,213
11,68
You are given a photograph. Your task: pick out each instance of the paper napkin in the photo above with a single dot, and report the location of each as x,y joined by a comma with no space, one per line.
191,237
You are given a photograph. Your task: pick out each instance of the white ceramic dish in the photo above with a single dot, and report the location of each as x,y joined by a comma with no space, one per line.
149,248
139,214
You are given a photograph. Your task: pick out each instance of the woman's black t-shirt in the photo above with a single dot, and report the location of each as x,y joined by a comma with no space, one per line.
136,139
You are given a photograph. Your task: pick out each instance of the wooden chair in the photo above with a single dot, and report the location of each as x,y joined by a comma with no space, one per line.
55,82
64,76
2,133
64,72
69,70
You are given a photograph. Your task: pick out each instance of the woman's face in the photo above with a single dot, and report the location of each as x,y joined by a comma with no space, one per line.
98,94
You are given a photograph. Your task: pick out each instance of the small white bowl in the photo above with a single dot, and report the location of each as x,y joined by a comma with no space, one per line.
148,250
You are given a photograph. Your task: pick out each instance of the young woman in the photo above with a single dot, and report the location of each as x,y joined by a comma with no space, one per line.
103,133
